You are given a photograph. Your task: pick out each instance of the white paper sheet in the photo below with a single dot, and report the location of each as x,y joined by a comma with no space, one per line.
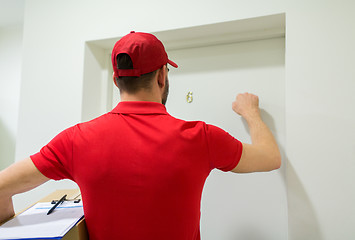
34,223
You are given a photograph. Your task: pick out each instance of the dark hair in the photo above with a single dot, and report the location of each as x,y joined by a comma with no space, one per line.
132,84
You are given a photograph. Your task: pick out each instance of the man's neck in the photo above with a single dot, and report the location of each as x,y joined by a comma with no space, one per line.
141,96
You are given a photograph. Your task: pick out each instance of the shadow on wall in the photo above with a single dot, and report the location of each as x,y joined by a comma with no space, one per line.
7,147
299,206
267,119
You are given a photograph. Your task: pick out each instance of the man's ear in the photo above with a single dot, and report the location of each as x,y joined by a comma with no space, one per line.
114,79
161,77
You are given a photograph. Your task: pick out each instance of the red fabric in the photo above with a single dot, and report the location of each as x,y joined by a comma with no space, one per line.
140,171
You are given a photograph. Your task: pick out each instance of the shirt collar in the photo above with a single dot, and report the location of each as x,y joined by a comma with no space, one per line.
128,107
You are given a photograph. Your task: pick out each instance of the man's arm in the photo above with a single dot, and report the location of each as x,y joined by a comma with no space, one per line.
19,177
263,154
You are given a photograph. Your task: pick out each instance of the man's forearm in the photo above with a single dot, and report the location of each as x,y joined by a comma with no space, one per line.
263,154
6,209
261,136
20,177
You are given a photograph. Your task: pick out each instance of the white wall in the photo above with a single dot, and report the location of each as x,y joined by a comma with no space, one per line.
319,85
10,79
320,119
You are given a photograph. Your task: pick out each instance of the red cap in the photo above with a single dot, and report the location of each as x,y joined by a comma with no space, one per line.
146,51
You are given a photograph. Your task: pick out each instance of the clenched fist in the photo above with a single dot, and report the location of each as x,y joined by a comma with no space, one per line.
246,105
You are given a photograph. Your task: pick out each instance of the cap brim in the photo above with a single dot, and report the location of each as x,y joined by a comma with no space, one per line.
172,64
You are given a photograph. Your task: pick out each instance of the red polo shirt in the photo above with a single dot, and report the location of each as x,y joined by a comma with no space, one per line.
140,171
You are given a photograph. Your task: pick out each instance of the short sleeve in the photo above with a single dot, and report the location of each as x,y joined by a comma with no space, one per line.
55,159
225,150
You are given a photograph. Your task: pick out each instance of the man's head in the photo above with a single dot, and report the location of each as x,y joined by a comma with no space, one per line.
137,59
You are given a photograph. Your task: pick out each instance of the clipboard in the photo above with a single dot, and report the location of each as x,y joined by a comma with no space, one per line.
66,222
34,223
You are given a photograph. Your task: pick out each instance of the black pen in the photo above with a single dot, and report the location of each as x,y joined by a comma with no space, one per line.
56,205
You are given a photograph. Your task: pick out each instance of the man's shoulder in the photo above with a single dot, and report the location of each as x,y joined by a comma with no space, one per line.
189,123
102,120
198,125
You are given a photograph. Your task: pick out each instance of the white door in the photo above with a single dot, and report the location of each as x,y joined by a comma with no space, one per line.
235,206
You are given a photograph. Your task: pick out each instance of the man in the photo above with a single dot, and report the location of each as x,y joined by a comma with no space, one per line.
141,171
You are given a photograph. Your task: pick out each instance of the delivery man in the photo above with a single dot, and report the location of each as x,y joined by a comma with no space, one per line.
150,164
